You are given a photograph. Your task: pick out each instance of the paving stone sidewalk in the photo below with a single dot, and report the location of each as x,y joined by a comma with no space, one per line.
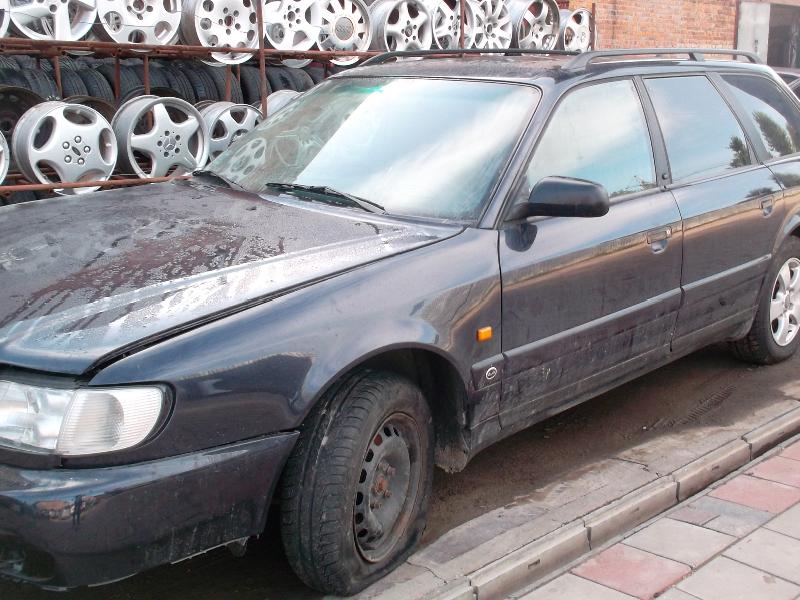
739,540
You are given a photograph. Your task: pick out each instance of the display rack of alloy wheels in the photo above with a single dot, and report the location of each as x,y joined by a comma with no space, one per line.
111,93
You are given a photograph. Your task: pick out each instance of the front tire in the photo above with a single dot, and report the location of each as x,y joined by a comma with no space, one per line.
355,490
775,333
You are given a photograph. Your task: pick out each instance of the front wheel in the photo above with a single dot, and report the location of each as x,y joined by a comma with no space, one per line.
774,334
355,490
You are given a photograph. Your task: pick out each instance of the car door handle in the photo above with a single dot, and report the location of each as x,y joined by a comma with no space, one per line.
767,204
658,238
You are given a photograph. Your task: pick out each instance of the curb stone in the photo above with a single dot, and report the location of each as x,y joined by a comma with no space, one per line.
716,464
773,432
630,510
541,557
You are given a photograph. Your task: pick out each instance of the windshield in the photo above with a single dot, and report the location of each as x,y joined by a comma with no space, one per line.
421,147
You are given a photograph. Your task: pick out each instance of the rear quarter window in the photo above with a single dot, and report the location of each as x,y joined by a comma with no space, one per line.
774,115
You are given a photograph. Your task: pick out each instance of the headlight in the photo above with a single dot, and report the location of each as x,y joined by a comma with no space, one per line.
75,422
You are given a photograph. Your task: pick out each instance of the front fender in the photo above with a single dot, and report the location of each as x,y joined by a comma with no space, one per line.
260,371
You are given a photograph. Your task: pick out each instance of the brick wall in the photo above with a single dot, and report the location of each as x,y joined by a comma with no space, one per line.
664,23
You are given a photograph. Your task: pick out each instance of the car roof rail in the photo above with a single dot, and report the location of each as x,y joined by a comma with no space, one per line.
387,56
582,61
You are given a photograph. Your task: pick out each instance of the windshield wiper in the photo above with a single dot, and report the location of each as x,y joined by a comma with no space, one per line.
223,180
342,198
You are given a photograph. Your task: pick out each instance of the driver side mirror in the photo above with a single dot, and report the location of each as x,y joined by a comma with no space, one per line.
563,197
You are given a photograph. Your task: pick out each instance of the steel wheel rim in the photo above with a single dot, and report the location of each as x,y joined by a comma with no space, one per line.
536,24
64,20
227,123
5,158
345,25
291,24
388,484
784,307
494,28
139,21
176,142
223,24
400,25
73,140
576,30
446,16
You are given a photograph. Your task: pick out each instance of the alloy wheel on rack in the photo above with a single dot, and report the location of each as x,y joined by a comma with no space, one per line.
576,30
15,102
447,23
536,24
493,27
279,100
346,25
292,25
63,20
5,17
154,22
223,24
401,25
167,135
5,158
227,122
72,141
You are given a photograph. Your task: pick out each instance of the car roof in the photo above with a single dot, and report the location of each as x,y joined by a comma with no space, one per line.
533,67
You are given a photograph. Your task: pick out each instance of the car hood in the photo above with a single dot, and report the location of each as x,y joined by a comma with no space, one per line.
85,278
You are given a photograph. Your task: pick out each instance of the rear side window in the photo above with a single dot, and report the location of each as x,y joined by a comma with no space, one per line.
703,137
776,118
597,133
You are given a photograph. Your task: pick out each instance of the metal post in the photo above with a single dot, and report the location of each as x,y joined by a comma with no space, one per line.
462,13
228,83
57,73
146,76
262,63
117,79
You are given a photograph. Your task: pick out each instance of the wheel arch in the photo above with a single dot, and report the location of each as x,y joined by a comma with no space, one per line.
443,386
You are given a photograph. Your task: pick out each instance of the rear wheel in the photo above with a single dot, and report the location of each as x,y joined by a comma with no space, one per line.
774,336
355,490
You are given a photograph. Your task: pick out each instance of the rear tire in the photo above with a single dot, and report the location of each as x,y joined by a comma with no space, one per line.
779,306
355,491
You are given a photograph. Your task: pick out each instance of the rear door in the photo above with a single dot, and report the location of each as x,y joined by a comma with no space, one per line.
589,302
729,203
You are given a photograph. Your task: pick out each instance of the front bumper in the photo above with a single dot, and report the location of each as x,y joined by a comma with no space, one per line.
66,528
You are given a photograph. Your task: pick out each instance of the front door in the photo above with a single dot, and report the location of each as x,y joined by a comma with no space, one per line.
588,302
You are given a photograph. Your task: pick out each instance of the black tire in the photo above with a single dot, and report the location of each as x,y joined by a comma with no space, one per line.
316,71
127,78
41,83
96,85
179,82
279,79
302,80
201,83
72,84
759,345
14,78
343,438
218,75
251,85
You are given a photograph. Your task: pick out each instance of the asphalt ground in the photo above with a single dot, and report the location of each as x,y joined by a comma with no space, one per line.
682,398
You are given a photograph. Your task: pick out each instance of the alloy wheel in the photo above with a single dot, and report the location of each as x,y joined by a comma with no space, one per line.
784,308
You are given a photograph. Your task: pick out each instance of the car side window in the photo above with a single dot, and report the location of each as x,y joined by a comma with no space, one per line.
598,133
776,118
702,135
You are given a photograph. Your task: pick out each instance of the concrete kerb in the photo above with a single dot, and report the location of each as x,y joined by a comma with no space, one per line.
541,557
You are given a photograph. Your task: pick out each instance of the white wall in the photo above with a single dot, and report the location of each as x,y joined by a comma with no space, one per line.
754,28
